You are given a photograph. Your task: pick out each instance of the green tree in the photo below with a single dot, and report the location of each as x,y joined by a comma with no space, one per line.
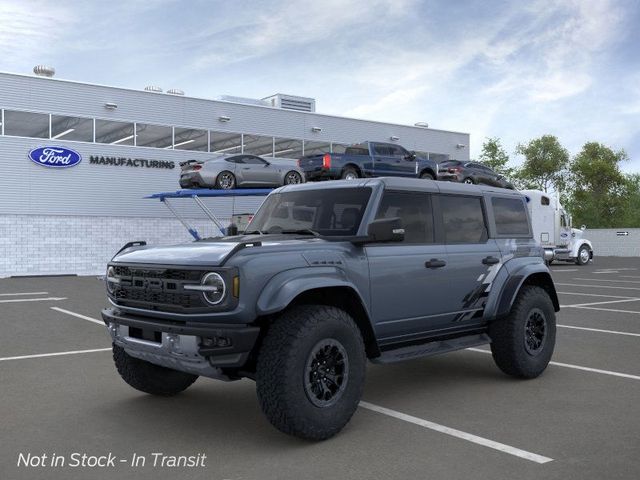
631,215
495,157
545,164
600,192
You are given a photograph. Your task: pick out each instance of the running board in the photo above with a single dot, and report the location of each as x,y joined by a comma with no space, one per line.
432,348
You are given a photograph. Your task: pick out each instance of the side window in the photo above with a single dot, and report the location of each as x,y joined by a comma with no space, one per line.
545,200
414,210
234,160
398,151
511,216
463,219
251,160
381,150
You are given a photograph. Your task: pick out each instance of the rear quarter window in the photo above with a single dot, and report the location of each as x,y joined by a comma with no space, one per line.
511,217
463,219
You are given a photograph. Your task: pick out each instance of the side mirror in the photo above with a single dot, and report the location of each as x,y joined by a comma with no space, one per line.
386,230
410,156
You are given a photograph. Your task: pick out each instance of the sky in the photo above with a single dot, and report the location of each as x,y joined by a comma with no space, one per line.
509,69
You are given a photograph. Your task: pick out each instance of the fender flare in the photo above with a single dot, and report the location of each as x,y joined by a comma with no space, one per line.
284,287
533,274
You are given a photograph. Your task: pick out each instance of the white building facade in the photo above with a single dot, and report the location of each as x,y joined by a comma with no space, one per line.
129,144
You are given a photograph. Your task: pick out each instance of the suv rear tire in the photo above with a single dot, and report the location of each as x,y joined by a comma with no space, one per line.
150,378
310,371
523,341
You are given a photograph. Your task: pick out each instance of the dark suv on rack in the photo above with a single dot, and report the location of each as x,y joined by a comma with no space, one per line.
472,173
326,277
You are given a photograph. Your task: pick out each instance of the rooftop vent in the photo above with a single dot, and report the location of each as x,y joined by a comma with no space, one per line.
153,88
292,102
44,71
175,91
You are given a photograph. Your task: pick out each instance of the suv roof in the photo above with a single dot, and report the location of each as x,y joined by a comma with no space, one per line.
398,183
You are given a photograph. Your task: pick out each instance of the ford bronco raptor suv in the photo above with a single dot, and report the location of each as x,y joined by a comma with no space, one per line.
326,276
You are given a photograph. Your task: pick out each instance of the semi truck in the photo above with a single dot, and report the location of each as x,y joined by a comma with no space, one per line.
553,229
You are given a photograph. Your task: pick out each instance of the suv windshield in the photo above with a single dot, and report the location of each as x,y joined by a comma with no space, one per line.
327,212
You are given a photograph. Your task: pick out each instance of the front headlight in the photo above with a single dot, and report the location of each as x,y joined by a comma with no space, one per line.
212,287
111,280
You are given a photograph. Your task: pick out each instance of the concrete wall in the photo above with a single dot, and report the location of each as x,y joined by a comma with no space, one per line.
607,242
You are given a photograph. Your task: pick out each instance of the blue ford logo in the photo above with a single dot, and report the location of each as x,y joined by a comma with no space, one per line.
56,157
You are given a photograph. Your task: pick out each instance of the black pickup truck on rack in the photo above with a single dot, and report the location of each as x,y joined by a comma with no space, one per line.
368,159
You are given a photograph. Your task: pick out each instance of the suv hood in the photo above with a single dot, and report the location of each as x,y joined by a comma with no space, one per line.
211,253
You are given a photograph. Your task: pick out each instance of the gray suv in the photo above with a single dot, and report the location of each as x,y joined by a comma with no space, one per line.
327,276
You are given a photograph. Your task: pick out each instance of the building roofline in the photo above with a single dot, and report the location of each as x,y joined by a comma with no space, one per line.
229,102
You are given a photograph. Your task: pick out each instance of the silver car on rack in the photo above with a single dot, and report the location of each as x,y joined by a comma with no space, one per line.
240,170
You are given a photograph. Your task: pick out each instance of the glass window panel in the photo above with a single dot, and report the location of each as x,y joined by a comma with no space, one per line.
115,133
26,124
227,143
338,147
316,148
71,128
511,216
463,219
414,210
157,136
258,145
190,139
287,148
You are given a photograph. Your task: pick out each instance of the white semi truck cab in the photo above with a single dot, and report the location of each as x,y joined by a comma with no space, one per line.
552,229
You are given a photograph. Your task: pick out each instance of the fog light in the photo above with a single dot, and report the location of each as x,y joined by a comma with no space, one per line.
216,342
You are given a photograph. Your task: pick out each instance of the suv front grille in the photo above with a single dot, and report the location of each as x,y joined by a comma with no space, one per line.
159,289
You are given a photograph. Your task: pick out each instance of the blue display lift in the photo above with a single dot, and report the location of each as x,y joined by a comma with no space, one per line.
197,194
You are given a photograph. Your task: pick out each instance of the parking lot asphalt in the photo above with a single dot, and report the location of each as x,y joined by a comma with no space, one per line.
450,416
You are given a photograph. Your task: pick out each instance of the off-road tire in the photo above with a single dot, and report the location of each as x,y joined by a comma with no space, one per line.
349,173
427,176
579,260
281,371
150,378
508,334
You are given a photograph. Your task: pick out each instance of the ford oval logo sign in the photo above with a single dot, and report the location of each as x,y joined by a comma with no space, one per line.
55,157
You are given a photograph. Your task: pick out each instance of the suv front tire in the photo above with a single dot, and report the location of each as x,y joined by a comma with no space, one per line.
310,371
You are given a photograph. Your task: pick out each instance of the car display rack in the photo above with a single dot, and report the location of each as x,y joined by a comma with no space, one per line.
196,195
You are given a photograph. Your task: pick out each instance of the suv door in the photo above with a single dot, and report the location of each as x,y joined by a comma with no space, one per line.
473,258
408,287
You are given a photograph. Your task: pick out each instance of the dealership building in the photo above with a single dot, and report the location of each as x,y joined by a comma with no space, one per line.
127,144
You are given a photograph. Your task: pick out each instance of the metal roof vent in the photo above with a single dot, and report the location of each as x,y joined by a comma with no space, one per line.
153,88
292,102
44,71
175,91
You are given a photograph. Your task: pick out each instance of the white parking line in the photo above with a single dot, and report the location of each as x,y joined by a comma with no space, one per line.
594,303
597,286
562,270
591,294
629,276
73,314
598,330
610,281
576,367
457,433
23,293
48,299
609,310
56,354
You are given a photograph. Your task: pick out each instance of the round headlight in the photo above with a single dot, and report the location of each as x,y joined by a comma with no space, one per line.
111,280
214,288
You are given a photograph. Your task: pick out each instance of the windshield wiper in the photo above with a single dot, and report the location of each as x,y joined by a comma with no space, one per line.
302,231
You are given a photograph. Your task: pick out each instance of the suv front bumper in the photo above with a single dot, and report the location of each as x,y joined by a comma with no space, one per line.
198,348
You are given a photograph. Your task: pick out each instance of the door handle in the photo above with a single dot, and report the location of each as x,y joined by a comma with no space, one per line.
490,260
435,263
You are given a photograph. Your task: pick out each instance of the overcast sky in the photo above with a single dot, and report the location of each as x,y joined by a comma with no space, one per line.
515,70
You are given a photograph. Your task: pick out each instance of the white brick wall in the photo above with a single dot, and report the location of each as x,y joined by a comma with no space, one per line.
54,245
606,242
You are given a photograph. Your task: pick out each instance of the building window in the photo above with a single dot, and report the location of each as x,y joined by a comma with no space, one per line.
157,136
115,133
258,145
26,124
71,128
338,147
225,143
316,148
287,148
190,139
